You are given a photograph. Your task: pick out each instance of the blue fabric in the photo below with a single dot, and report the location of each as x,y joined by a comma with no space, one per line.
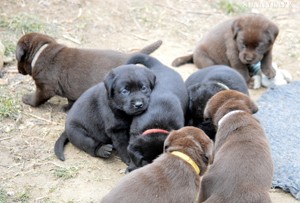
279,113
255,68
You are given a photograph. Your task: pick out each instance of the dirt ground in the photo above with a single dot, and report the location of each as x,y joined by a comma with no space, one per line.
29,170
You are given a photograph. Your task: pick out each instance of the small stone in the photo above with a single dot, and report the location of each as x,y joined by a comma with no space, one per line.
3,81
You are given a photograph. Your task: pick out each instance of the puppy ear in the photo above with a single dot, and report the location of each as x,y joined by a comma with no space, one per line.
108,83
152,78
272,31
207,114
253,107
235,28
20,53
209,154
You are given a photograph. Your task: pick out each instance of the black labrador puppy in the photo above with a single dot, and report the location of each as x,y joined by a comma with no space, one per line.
166,111
100,119
205,83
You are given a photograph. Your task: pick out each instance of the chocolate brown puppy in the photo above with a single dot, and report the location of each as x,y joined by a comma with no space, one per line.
100,119
63,71
238,43
173,177
242,169
205,83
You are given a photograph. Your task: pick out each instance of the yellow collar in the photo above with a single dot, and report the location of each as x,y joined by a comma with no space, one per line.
187,159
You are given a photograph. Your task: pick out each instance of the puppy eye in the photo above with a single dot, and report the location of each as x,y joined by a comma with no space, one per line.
207,120
125,91
166,148
144,88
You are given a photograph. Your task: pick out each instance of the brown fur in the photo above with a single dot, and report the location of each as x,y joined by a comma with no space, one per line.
242,170
237,43
65,71
168,178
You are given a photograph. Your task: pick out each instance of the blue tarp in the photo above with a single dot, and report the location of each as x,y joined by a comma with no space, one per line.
279,113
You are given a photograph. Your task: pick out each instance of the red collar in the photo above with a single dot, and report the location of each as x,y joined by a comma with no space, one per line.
155,130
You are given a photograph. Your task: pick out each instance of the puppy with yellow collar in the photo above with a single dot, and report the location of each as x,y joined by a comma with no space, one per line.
173,177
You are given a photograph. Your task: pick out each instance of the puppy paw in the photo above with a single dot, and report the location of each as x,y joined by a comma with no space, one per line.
130,168
104,151
269,72
27,99
251,83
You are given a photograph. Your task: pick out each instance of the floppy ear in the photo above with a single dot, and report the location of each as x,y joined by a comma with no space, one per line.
272,31
20,52
108,83
151,77
207,114
209,154
235,28
20,55
253,107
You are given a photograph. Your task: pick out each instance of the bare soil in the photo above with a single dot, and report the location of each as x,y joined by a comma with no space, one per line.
29,170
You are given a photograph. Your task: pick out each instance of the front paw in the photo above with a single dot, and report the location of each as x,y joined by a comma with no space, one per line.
125,159
28,99
250,83
270,72
104,151
130,167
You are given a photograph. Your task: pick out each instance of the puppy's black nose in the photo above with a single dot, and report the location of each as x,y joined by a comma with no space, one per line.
138,104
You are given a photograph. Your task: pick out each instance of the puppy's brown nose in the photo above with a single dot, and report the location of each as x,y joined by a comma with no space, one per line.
138,104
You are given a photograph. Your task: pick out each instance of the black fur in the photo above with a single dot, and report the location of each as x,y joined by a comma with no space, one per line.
167,107
101,117
205,83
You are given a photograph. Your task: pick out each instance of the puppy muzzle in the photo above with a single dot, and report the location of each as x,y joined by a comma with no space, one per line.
138,104
137,107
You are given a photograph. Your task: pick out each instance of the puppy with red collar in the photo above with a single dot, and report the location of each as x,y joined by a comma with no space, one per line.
242,169
166,112
173,177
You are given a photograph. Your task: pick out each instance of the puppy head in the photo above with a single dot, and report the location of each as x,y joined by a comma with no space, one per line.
129,88
27,47
199,94
226,101
193,142
254,35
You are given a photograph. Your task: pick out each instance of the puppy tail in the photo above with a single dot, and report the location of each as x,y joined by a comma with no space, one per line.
183,60
59,146
146,60
151,48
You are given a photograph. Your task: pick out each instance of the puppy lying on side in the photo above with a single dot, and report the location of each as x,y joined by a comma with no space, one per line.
166,111
205,83
102,115
238,43
242,170
60,70
173,177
